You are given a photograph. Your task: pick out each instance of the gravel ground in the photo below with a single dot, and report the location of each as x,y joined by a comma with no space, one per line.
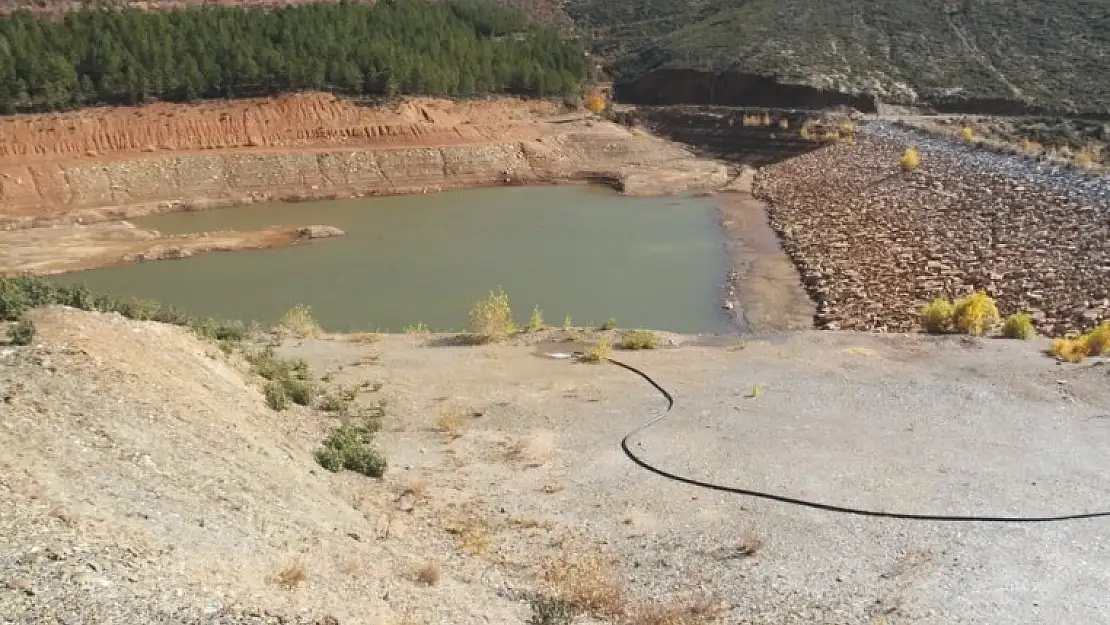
873,243
1072,181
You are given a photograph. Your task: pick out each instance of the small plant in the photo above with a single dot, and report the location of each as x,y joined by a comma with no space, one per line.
419,328
22,332
598,353
975,314
756,392
299,322
292,576
639,339
784,124
1019,326
535,322
567,323
586,583
804,133
491,319
451,424
610,324
350,447
910,160
428,574
301,392
338,402
967,135
1086,159
936,316
276,397
549,611
595,102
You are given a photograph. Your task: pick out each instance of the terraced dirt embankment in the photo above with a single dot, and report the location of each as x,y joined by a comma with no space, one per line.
112,164
874,243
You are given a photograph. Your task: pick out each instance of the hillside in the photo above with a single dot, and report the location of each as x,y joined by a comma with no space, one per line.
1047,54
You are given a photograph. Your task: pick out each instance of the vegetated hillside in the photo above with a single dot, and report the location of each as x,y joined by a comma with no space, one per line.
1049,53
462,47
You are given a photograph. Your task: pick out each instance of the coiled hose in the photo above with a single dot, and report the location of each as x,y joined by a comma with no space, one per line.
626,446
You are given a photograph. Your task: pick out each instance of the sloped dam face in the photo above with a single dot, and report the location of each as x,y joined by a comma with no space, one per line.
576,251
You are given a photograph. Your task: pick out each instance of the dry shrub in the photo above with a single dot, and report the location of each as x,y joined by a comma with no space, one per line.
587,583
428,574
975,314
696,611
491,319
1086,159
363,337
910,160
299,322
1098,340
1070,349
967,134
292,576
451,424
639,339
1019,326
936,316
784,124
535,449
595,102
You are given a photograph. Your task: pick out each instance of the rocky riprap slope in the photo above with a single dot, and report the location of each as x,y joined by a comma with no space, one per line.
874,243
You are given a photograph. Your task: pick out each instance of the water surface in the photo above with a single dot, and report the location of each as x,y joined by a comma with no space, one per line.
585,252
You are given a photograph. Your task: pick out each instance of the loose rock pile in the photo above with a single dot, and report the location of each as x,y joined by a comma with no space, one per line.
874,243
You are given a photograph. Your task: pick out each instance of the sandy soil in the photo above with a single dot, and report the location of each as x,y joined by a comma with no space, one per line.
183,495
60,249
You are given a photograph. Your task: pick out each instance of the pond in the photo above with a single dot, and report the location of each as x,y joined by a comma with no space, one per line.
583,252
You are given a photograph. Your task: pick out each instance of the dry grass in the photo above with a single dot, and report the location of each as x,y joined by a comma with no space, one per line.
975,314
535,449
756,392
292,576
910,160
967,135
363,338
452,424
587,583
694,611
749,546
936,316
427,574
299,322
474,539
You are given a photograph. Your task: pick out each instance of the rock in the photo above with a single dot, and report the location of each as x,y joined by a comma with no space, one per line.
318,232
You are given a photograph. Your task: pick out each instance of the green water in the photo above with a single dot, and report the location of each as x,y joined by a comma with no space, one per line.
580,251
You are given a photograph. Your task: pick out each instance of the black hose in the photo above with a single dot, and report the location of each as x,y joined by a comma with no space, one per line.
625,445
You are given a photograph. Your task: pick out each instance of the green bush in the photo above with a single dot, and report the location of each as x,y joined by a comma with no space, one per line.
301,392
1019,326
609,324
639,339
276,397
22,332
936,316
491,319
350,447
